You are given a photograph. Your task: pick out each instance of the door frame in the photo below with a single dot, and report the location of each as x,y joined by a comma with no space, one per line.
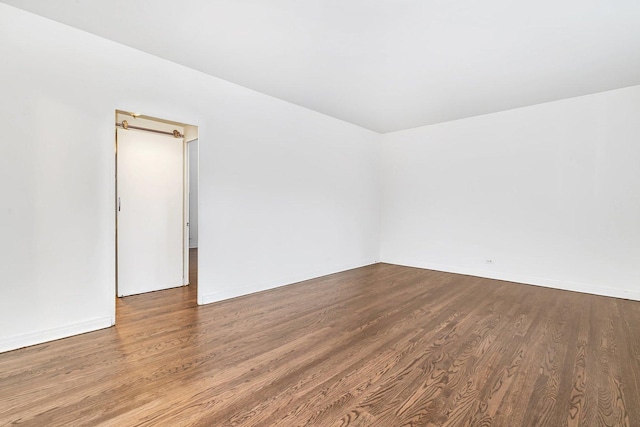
190,133
185,212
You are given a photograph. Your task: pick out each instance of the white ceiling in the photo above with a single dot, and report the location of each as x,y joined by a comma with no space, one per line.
385,65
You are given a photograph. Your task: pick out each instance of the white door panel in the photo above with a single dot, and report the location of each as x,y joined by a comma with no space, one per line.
150,211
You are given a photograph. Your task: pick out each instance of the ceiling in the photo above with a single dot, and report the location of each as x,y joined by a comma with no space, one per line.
385,65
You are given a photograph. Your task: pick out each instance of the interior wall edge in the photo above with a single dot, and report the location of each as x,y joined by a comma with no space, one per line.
585,288
213,297
66,331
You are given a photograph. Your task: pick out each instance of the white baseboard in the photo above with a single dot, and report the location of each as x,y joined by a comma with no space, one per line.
272,284
527,280
39,337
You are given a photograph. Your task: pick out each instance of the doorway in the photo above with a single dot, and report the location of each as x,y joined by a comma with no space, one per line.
152,204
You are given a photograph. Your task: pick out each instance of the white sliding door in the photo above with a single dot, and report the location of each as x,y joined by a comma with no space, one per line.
150,191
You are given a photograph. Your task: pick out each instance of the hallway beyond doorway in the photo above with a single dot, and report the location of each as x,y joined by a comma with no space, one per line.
169,300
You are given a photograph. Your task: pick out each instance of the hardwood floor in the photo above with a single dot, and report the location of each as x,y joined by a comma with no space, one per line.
377,346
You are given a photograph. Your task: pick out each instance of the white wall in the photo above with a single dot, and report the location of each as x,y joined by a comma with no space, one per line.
193,193
285,193
549,193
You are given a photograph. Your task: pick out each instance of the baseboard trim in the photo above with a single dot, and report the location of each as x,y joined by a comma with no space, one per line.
39,337
524,279
272,284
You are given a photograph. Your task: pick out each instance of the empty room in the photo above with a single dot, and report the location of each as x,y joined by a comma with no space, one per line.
320,213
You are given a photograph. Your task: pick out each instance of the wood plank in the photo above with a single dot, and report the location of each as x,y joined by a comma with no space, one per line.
382,345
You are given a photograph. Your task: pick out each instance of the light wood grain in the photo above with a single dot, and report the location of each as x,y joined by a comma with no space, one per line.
382,345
